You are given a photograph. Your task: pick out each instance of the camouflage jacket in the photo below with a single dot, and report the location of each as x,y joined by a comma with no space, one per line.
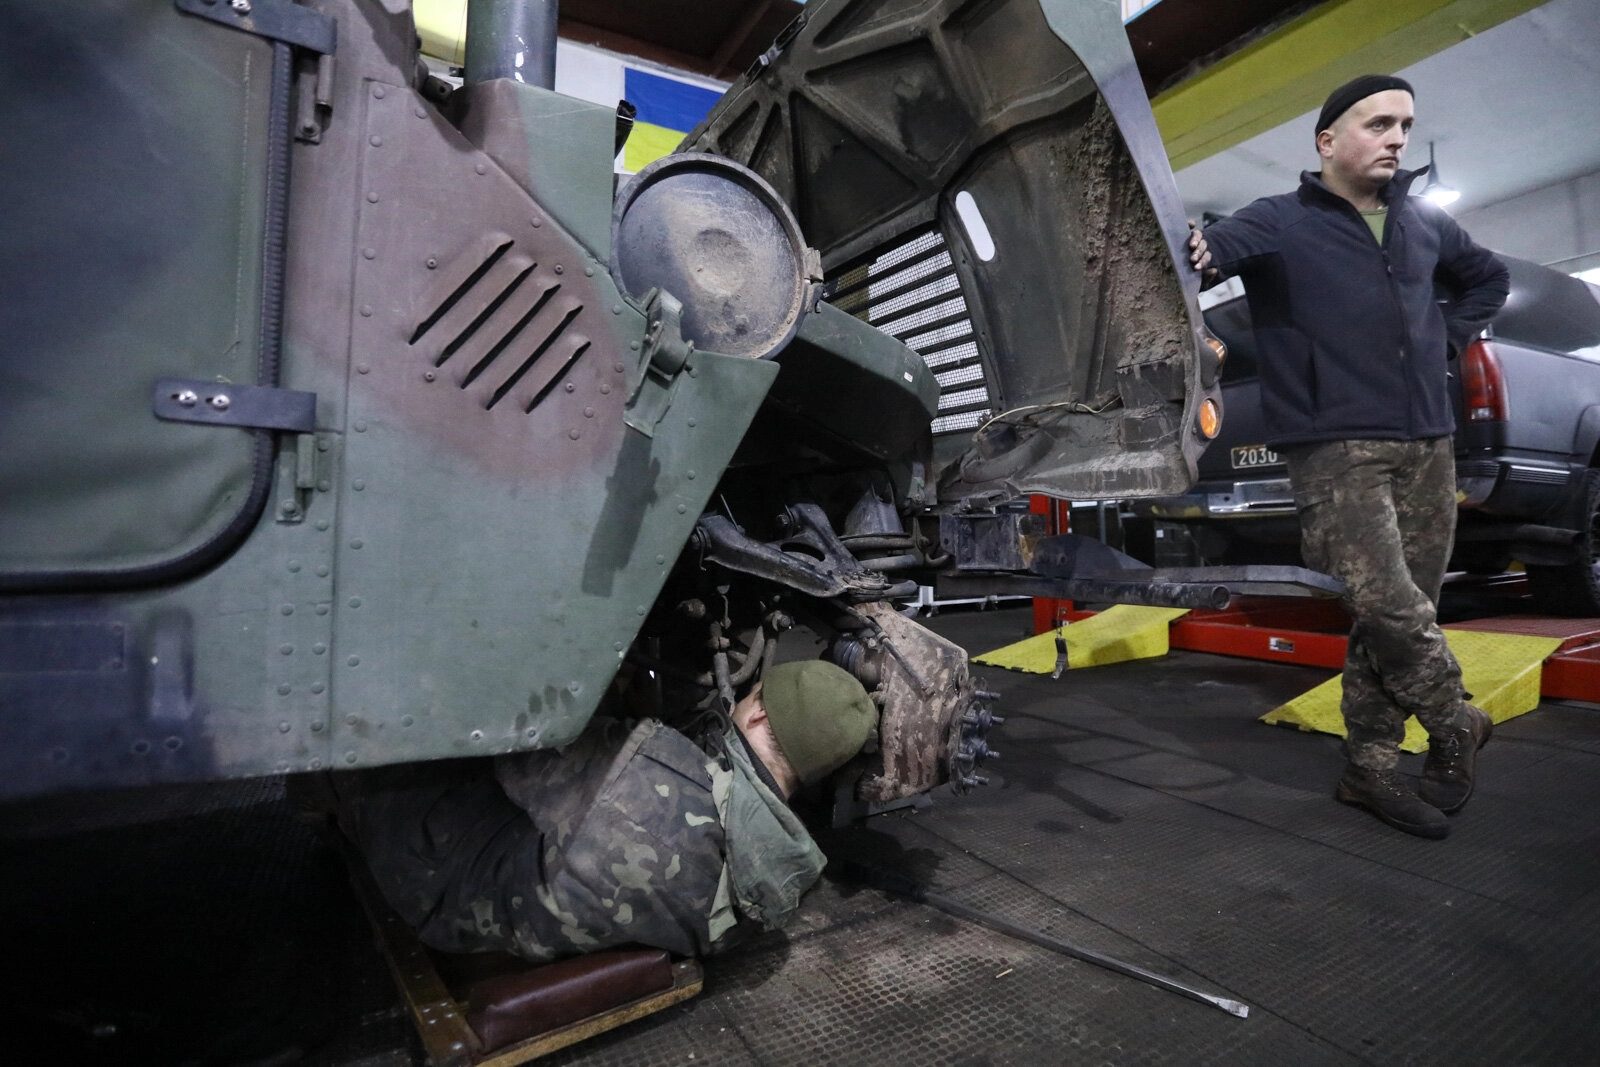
625,836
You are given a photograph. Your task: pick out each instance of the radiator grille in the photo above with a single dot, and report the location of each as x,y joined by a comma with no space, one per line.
911,292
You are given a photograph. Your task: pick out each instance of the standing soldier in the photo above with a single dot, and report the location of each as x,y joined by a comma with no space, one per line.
1339,275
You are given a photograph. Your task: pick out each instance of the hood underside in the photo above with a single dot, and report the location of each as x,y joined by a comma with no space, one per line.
985,183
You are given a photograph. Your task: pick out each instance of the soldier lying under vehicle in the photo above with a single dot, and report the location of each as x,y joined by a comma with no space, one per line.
631,834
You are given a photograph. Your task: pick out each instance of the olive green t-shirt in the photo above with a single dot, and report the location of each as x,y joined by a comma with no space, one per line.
1374,221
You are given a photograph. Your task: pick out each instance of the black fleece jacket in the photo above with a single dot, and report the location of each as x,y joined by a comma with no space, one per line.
1351,342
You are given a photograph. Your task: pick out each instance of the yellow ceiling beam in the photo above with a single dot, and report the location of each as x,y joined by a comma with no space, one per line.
442,25
1291,71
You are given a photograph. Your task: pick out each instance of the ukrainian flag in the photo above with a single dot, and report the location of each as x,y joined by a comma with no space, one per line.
668,109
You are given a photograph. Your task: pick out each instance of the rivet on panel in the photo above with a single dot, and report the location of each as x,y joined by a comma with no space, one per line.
294,566
689,475
406,720
481,169
633,346
316,727
349,757
283,727
354,661
588,413
476,735
369,253
317,688
682,508
287,650
284,690
322,570
618,646
537,222
378,91
605,389
172,744
616,309
558,268
429,376
361,427
375,141
355,602
640,609
366,312
287,609
323,444
140,747
322,609
574,434
358,485
661,559
691,424
617,368
372,198
322,524
432,262
323,486
315,764
571,388
357,543
319,648
419,112
351,720
588,272
575,686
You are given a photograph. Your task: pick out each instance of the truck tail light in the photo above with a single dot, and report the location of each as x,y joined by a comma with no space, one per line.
1483,384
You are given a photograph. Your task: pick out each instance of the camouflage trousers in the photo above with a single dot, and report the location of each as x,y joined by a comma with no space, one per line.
1380,516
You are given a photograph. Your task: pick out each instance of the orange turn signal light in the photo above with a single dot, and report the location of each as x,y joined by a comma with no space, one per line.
1218,347
1210,418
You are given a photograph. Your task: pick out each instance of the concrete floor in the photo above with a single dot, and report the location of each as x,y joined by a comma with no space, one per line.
1138,810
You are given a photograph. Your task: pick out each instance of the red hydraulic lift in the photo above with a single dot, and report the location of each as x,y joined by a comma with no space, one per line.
1312,632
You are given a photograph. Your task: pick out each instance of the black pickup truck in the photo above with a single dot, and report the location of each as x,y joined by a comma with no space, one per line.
1527,407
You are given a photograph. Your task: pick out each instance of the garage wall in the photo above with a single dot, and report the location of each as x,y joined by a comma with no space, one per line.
1558,225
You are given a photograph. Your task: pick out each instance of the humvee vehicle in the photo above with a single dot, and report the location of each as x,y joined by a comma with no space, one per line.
349,418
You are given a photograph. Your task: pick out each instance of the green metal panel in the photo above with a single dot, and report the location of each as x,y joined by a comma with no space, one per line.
133,187
516,124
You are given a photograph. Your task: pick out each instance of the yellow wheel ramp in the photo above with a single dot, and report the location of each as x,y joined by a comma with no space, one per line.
1501,671
1120,633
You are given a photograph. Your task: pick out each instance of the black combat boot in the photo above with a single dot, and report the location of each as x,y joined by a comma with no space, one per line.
1447,772
1386,795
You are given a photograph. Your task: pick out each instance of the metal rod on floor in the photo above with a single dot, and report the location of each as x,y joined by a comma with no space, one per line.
902,886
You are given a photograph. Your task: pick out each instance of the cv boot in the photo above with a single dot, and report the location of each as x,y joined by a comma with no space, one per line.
1447,773
1386,795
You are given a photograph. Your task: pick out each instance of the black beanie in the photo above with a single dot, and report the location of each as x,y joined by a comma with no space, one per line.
1340,100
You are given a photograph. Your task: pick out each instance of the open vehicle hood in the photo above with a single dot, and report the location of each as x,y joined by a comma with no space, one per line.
1071,355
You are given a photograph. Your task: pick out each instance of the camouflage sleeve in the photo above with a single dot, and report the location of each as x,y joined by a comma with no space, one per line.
642,864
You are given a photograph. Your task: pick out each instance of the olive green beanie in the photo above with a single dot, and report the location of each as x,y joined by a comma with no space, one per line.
819,714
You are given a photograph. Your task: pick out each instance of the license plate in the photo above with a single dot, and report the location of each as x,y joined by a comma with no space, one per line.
1254,456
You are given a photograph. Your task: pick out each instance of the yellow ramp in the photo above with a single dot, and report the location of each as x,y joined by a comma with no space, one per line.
1119,633
1501,671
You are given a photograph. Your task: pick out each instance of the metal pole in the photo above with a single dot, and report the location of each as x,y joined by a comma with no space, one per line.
896,883
513,39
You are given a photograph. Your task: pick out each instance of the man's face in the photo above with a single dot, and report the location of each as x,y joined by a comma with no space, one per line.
1364,145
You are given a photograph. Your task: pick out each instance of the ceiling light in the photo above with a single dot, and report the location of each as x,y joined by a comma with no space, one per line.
1436,190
